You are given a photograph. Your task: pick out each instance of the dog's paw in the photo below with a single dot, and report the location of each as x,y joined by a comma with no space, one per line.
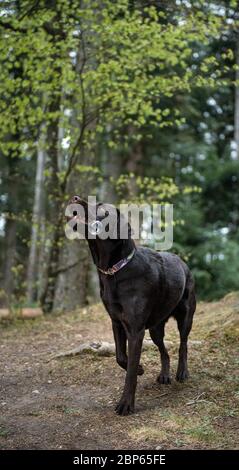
182,375
140,370
164,379
124,407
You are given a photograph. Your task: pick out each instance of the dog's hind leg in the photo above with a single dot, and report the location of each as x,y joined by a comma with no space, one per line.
120,346
184,316
157,335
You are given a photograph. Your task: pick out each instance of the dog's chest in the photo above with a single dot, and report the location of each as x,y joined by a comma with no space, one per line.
110,297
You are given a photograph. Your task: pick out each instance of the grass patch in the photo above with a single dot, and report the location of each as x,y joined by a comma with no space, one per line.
3,432
203,433
148,433
72,411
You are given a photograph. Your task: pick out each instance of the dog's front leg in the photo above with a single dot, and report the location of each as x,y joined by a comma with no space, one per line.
120,344
126,403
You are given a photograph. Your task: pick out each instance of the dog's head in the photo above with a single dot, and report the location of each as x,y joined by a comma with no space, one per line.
97,220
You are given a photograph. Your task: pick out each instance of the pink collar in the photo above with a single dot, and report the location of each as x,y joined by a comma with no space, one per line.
116,267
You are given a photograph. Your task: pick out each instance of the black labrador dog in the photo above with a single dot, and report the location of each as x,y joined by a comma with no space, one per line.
141,289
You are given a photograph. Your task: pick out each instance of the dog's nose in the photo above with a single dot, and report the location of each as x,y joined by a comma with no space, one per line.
76,200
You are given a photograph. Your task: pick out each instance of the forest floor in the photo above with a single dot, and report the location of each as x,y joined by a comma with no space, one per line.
68,402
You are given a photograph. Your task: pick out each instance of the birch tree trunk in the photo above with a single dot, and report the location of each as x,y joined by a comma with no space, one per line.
36,223
11,228
236,112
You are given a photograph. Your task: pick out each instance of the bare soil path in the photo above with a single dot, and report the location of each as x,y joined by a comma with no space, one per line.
68,403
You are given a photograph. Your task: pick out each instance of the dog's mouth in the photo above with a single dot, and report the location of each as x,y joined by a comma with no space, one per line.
74,218
73,215
80,214
73,221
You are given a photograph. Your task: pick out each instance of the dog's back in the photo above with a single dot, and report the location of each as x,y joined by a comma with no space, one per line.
163,278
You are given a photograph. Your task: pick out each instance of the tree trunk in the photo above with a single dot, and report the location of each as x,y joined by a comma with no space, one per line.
36,224
10,254
72,280
43,257
236,112
10,228
55,215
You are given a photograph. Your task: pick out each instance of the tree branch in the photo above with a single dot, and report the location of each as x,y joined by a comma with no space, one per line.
9,26
66,268
28,12
84,123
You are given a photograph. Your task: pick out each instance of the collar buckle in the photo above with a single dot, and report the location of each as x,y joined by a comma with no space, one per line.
123,262
111,271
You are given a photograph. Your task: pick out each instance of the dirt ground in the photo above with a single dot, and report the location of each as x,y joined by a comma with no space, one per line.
68,403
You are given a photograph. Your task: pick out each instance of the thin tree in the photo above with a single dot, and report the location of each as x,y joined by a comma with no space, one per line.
236,111
36,222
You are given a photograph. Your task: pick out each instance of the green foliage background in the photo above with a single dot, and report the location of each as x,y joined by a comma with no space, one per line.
156,79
